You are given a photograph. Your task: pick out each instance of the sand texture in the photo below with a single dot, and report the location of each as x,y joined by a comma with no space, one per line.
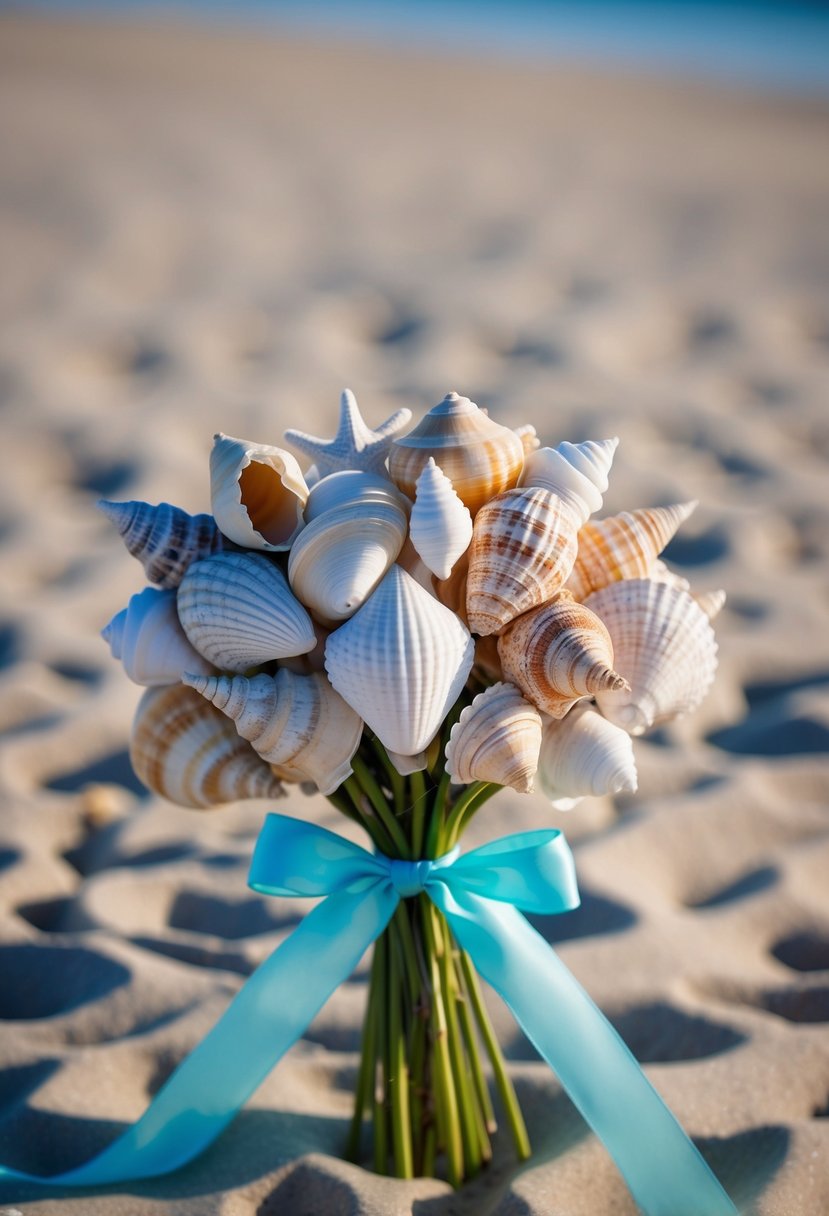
206,232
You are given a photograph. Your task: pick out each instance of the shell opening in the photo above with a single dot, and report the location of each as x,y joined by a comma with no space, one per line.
271,507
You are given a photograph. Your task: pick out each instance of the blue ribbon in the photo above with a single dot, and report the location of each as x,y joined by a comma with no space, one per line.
480,894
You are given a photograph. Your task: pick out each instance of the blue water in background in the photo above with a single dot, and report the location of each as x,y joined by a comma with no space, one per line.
783,46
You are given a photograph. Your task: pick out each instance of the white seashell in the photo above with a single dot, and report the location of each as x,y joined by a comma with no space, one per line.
356,445
410,560
400,662
623,546
661,573
585,755
497,738
529,438
298,723
165,539
238,610
663,644
406,765
576,472
340,557
711,602
351,485
258,493
148,639
441,526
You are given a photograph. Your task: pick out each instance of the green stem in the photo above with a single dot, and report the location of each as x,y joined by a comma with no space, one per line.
463,1088
397,784
417,795
473,1050
365,781
381,1145
473,796
366,1077
398,1075
446,1096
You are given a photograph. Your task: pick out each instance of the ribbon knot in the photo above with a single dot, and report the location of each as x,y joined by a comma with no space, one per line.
409,878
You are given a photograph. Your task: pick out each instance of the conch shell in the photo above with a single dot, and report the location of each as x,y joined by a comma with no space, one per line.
187,751
258,493
165,539
623,546
583,755
497,738
576,472
348,486
441,526
148,639
238,610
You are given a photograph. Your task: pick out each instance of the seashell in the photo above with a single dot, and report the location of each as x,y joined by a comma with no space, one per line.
298,723
441,526
480,457
664,645
187,751
487,658
340,557
711,602
400,662
623,546
451,591
258,493
410,560
148,639
497,738
584,755
312,660
660,573
238,610
529,438
351,485
165,539
557,654
406,765
523,548
576,472
356,445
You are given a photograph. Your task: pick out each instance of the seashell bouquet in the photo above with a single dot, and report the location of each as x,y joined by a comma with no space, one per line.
411,623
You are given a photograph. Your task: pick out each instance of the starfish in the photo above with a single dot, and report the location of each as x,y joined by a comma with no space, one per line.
355,446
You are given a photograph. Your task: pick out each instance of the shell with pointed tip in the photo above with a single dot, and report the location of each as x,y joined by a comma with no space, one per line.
298,723
557,654
441,526
356,445
340,557
351,485
661,573
451,591
584,755
576,472
148,639
238,610
164,538
258,493
480,457
187,751
623,546
497,738
711,602
400,662
663,644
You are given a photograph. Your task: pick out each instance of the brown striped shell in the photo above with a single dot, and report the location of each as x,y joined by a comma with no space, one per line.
497,738
623,546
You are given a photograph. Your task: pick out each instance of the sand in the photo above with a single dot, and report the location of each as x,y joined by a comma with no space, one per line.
207,231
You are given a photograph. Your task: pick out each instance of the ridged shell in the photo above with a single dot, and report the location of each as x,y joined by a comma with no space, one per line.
148,639
584,755
497,738
660,573
711,602
341,556
576,472
164,538
238,610
258,493
523,548
441,526
400,662
187,751
663,644
557,654
487,659
623,546
355,446
480,457
351,485
529,438
298,723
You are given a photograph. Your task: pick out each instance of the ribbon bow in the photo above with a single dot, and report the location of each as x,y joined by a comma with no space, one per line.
482,895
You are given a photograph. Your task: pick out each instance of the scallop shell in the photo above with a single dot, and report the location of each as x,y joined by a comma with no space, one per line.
164,538
238,610
148,639
187,751
351,485
497,738
576,472
623,546
258,493
340,557
663,644
557,654
298,723
480,457
441,526
400,662
585,755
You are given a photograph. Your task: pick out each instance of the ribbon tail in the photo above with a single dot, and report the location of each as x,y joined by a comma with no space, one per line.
665,1172
266,1017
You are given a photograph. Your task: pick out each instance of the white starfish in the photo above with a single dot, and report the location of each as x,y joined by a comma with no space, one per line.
355,446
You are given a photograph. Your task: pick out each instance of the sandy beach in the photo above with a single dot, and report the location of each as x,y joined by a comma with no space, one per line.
213,230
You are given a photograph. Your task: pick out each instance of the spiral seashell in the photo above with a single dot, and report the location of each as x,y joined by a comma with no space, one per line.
497,738
187,751
441,526
585,755
165,539
451,591
623,546
576,472
523,548
529,438
480,457
711,602
340,557
664,645
351,485
400,662
238,610
258,493
298,723
148,639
